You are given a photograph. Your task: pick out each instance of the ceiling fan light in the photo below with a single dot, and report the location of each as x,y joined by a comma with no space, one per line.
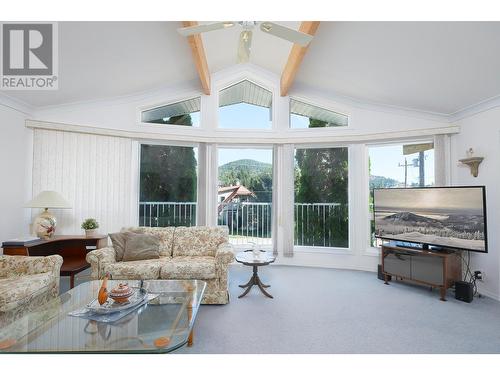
244,46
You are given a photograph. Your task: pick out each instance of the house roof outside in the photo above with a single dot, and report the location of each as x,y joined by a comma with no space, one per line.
238,190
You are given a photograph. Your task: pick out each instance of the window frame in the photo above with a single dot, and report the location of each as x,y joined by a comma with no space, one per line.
173,144
374,250
341,110
327,249
257,82
261,146
172,101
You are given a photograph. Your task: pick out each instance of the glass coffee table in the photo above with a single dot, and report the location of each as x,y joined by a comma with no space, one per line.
162,325
248,258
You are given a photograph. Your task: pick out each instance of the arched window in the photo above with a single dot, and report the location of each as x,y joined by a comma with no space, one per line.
245,105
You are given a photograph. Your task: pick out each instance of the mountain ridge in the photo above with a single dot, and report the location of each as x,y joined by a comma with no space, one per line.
247,164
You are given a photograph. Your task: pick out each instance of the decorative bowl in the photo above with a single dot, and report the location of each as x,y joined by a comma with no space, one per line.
121,293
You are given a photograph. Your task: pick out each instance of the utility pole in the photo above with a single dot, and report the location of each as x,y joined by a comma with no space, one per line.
405,165
421,169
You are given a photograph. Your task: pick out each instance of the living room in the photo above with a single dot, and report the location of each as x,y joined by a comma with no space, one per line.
249,187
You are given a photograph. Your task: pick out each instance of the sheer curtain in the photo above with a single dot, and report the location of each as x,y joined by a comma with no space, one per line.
93,172
283,183
442,162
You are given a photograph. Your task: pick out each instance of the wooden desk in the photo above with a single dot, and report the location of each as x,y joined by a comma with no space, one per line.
73,249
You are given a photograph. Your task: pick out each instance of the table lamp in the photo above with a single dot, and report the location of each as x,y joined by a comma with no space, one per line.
44,225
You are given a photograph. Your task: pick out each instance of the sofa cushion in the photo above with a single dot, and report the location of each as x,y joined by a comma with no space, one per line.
134,270
165,234
189,268
118,241
140,246
18,290
199,241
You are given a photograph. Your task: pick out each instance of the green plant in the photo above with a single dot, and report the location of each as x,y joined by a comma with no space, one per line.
90,223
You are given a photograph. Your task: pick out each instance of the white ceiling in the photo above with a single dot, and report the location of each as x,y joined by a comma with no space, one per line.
435,67
268,52
431,66
107,59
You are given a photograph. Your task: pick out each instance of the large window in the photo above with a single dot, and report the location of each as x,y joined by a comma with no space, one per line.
245,194
402,166
304,115
245,105
321,197
168,185
184,113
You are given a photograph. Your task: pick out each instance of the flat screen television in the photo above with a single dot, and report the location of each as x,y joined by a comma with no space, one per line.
441,217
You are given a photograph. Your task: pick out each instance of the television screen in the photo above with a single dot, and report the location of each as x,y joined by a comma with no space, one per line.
453,217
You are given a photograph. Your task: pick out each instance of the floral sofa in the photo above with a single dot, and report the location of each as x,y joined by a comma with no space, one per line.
26,283
186,253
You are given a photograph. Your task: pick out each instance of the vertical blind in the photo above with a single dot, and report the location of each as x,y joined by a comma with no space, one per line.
93,172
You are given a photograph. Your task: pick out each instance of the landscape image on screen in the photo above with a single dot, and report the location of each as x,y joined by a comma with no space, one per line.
444,217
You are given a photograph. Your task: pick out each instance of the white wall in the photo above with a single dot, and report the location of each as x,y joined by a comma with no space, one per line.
92,172
482,133
15,162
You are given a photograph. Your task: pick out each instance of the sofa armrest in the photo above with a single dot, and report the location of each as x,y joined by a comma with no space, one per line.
30,265
224,254
98,259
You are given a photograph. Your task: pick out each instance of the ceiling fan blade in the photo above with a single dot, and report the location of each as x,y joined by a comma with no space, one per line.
286,33
192,30
244,46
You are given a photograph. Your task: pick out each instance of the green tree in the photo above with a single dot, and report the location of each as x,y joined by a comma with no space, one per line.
254,175
322,177
168,174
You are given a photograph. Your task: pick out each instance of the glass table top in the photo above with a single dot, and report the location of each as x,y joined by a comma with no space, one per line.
161,325
251,258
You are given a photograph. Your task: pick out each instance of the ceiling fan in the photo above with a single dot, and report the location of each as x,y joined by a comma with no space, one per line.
245,40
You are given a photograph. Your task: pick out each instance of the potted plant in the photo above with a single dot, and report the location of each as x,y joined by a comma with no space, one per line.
90,225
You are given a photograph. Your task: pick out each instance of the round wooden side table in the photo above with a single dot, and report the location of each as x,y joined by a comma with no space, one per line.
248,258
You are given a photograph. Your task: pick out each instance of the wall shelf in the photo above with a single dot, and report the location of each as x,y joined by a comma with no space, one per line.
473,164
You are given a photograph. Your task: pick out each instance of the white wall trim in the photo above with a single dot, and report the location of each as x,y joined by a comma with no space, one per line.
301,89
239,137
174,90
16,104
474,109
191,87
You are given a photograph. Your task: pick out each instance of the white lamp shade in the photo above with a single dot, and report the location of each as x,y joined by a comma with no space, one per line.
48,199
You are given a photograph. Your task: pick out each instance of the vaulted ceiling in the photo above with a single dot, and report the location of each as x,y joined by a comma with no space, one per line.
440,67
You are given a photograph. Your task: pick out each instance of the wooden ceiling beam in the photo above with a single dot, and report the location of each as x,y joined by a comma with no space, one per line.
295,58
199,57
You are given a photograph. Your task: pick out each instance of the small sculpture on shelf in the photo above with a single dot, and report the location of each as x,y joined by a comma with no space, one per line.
472,161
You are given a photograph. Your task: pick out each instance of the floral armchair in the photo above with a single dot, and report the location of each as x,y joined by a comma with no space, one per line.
186,253
26,283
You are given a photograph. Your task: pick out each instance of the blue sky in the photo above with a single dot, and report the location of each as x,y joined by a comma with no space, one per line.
227,155
385,162
244,116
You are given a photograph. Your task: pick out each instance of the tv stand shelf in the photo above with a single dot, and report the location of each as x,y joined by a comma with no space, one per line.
435,269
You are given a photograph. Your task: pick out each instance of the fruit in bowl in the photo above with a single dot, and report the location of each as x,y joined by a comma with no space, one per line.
121,293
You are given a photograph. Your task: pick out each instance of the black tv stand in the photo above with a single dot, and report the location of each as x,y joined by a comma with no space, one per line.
437,269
